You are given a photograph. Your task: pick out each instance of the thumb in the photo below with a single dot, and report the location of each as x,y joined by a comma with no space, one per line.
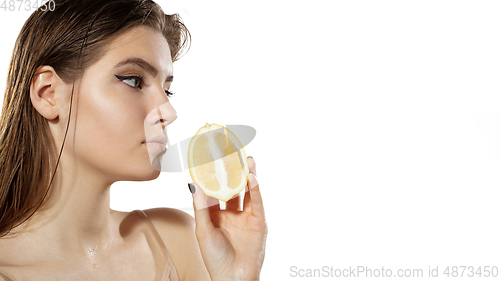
202,218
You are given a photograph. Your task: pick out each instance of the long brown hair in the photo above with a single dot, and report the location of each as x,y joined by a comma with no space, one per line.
70,38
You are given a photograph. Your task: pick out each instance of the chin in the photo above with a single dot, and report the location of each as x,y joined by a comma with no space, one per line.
156,163
143,170
154,174
142,175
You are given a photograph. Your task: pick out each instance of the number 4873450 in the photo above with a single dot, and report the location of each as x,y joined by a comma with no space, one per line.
27,5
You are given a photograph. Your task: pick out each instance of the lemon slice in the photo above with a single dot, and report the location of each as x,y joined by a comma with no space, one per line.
217,162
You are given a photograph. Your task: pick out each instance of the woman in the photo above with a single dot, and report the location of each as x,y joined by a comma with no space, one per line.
83,82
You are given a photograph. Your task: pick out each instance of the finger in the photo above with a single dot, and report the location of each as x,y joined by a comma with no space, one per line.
233,204
201,212
241,198
213,203
247,203
251,165
255,197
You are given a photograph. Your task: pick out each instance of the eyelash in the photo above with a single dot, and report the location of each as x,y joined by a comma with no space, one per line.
140,79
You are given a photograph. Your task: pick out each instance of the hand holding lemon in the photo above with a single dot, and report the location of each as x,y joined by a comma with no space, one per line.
232,242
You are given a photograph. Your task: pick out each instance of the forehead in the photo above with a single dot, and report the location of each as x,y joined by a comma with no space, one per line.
143,42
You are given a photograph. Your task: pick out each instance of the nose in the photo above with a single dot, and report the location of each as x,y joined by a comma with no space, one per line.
163,114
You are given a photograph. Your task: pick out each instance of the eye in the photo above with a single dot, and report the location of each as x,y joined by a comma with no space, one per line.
169,93
132,81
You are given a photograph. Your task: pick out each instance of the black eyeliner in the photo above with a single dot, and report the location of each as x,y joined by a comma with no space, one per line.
139,78
169,93
128,77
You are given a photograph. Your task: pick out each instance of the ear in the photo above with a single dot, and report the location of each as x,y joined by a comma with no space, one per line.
47,91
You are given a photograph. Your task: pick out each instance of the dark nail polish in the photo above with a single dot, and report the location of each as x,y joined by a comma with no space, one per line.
249,157
191,188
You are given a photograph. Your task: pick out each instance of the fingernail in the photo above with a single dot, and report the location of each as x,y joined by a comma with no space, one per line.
249,157
192,188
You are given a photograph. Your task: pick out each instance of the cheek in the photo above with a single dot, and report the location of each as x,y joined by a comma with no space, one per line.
108,125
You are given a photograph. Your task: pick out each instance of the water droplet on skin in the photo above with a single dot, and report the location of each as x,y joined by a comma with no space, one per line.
92,251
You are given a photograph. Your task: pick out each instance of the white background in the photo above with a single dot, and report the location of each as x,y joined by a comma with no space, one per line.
378,126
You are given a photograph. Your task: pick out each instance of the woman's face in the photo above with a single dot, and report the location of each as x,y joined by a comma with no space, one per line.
117,111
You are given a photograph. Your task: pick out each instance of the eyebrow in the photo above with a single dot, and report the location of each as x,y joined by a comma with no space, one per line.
145,65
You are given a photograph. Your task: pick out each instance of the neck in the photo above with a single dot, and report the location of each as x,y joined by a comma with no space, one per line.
77,220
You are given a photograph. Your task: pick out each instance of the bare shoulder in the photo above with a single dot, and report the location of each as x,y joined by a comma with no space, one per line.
177,230
171,217
173,224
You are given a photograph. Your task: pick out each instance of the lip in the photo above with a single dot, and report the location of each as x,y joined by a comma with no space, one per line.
158,139
156,146
157,143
